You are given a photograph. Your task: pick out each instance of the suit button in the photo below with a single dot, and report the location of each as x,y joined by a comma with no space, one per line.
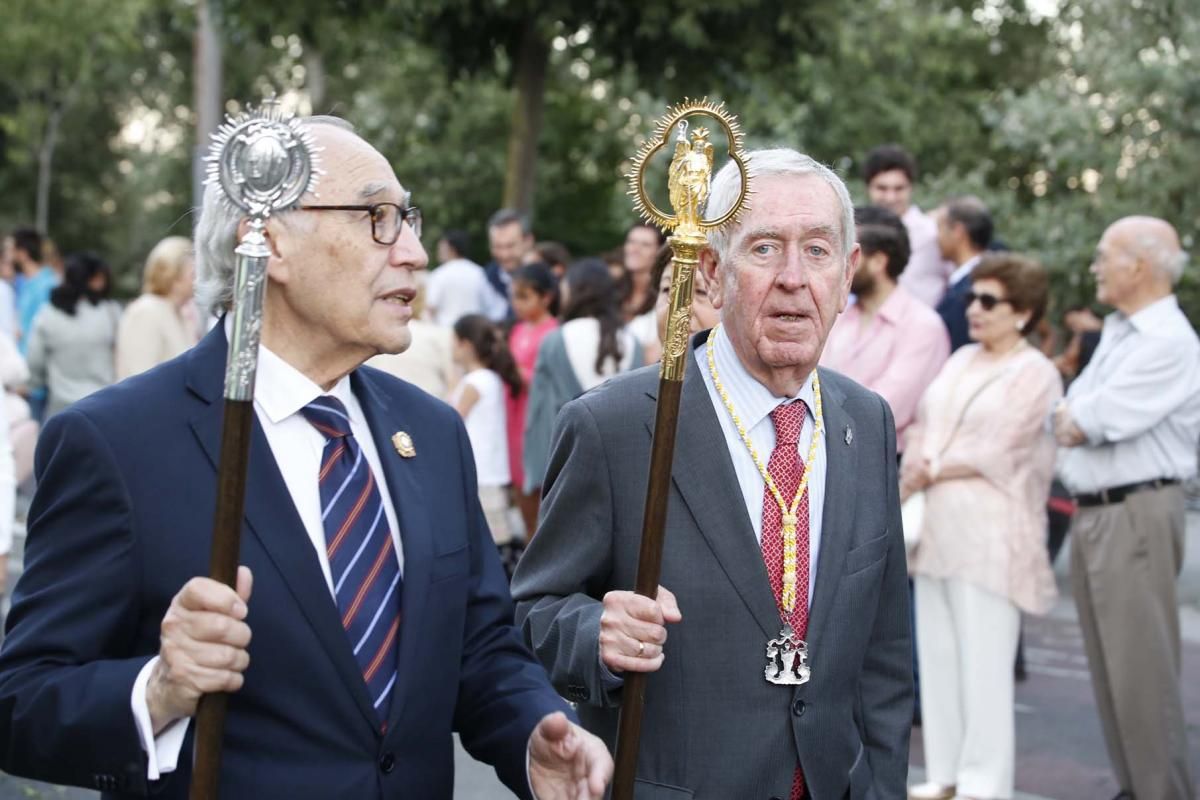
387,763
798,708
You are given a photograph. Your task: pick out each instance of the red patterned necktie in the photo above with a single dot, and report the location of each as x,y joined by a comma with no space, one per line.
787,469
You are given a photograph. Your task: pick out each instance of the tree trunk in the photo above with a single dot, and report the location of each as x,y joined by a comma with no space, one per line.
532,59
46,166
206,93
315,77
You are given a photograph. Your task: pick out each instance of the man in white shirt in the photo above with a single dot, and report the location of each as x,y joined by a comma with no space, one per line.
889,172
380,613
1130,424
458,286
510,238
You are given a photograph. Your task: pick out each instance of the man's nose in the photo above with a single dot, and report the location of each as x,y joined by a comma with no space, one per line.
794,274
407,250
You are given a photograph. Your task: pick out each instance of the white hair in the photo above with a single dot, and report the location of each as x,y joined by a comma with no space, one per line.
216,238
761,163
1166,259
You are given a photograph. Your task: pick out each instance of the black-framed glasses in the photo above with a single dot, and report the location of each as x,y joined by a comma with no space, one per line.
987,301
387,219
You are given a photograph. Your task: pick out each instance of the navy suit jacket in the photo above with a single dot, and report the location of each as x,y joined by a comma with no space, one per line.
953,311
122,519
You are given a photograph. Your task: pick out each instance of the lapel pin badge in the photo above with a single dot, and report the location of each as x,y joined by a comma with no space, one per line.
403,444
849,435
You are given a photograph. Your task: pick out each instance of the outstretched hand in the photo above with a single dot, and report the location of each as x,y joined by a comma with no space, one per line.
566,762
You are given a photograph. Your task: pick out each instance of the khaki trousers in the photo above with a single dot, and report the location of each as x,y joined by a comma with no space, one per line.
1125,559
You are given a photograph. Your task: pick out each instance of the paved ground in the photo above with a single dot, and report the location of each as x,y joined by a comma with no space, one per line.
1060,752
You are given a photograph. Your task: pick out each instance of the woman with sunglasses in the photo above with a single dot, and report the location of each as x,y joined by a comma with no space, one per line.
983,455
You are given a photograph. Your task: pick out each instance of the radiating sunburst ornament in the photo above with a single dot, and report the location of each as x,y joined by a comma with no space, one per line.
263,160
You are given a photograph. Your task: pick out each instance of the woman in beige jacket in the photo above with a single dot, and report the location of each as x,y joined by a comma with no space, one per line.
155,327
982,452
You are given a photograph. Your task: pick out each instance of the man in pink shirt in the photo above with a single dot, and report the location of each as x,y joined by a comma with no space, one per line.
889,172
888,340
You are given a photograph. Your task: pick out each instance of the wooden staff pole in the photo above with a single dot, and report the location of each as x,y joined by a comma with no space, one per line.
689,183
250,280
686,250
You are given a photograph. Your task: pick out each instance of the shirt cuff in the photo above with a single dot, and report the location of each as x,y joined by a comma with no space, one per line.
607,679
1081,415
162,751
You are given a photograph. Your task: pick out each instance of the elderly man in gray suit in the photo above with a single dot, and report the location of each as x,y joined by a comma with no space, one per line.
788,672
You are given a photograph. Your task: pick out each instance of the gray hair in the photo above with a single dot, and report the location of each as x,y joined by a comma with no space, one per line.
1166,260
761,163
216,237
508,216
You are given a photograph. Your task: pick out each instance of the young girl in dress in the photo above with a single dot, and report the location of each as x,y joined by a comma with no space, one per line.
535,304
489,376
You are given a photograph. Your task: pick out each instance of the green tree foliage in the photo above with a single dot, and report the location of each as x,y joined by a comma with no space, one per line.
1062,114
1113,130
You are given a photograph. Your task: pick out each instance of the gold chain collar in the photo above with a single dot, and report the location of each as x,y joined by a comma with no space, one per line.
788,598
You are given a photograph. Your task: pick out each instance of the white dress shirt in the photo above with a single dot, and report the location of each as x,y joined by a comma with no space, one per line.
280,391
1138,402
964,269
754,404
457,288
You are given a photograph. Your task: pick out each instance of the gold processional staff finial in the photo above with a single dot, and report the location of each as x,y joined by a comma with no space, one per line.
689,180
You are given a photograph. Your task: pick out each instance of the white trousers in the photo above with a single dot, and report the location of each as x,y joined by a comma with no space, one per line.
966,643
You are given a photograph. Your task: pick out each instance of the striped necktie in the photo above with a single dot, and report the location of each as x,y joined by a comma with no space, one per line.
362,556
787,469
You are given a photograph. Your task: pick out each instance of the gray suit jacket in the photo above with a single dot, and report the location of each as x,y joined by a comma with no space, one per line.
713,727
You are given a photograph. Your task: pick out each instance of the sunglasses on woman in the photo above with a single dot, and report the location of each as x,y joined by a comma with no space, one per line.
987,301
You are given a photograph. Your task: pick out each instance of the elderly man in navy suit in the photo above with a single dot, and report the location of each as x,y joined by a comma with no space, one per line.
380,619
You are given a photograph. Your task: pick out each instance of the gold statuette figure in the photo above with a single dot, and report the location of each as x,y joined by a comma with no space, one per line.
689,179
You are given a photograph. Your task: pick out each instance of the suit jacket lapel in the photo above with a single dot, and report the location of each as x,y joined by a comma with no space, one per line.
271,516
416,535
837,520
703,474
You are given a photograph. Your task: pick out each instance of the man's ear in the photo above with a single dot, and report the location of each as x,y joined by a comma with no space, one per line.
708,268
277,240
853,264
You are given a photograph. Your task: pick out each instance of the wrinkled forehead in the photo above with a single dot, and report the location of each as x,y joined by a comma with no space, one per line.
354,171
792,205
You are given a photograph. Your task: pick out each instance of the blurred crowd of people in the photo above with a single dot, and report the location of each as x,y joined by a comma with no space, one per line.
62,337
991,401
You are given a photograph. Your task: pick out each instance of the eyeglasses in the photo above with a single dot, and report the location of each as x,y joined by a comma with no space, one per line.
387,219
987,301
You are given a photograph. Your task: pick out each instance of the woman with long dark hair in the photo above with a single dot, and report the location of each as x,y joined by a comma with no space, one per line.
73,341
591,346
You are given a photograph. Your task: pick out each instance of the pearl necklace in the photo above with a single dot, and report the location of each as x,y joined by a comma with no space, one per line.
788,511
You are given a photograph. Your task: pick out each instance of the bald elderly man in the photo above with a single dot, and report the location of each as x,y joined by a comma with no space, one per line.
1129,427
